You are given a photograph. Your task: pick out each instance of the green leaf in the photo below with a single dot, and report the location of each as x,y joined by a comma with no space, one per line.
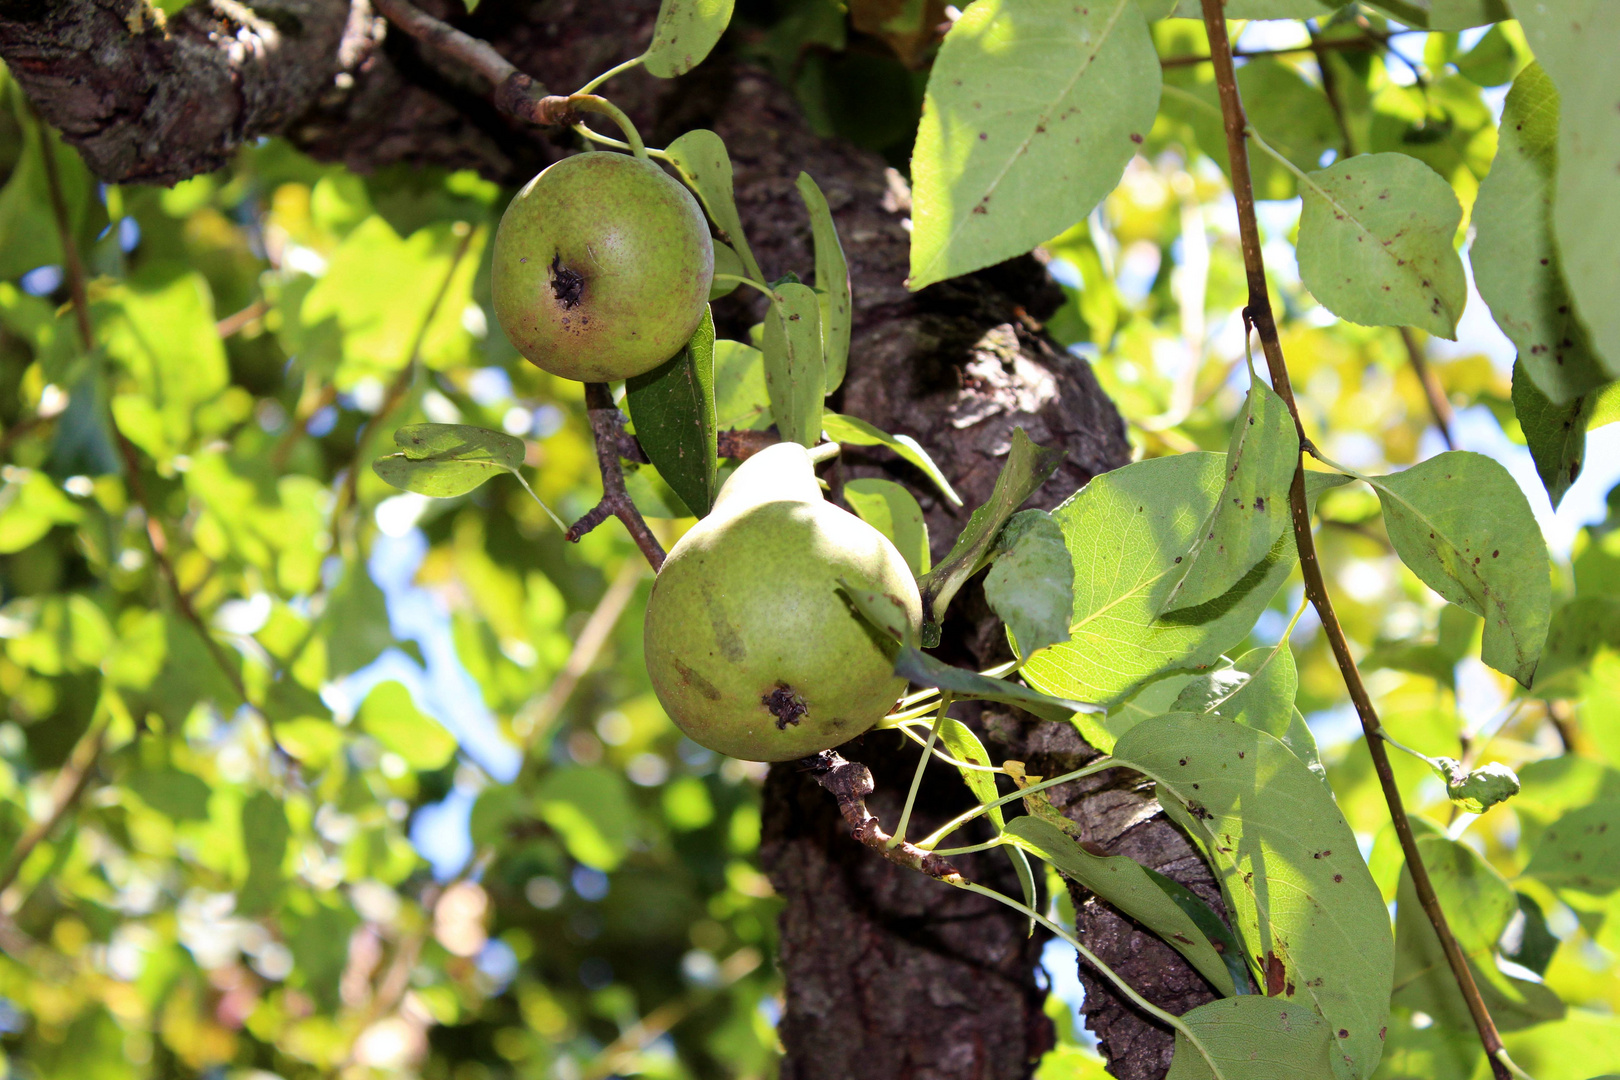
1579,629
1463,526
1478,903
1254,9
885,611
1478,790
1256,1038
832,283
1125,529
1258,691
726,261
892,511
1252,510
794,368
376,289
741,400
1375,243
1291,114
1446,14
176,794
1572,40
30,504
700,158
1124,883
673,409
1031,581
857,432
963,745
1203,916
447,460
1299,893
684,34
1556,434
1581,850
265,834
591,810
390,716
160,330
1025,470
1527,941
1516,263
1031,113
924,670
355,622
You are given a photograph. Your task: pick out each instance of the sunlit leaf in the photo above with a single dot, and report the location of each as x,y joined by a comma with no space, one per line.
832,283
1515,258
1256,1038
1571,40
893,511
1462,525
1375,243
683,35
1032,112
1312,919
794,368
857,432
1031,581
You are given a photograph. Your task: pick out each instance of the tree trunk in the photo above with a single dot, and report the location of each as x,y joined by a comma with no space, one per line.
889,974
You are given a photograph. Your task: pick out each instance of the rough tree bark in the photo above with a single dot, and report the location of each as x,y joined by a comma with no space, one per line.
889,974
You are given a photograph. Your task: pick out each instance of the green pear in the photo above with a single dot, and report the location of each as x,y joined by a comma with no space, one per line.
602,267
753,647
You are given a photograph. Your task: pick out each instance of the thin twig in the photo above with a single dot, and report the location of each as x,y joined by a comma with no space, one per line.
515,93
1438,405
850,783
70,784
607,425
155,533
616,1055
232,324
537,723
1260,314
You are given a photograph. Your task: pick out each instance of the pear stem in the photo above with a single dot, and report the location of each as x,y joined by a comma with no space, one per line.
922,764
825,452
596,104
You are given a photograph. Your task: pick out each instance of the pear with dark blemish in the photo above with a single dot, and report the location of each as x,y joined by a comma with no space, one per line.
602,267
753,647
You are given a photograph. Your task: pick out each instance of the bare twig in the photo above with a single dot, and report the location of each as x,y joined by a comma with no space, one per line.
607,425
1260,314
617,1055
155,533
515,93
850,783
1438,405
233,323
536,723
66,790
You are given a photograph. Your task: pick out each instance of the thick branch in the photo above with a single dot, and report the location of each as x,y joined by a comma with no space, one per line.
146,102
1259,311
850,783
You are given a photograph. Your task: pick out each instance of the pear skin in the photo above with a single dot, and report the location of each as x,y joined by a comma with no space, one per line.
753,648
602,267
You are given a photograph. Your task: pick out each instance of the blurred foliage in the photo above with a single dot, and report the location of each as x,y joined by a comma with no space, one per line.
195,561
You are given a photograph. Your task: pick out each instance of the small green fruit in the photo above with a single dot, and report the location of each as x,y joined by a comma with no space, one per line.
602,267
753,648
